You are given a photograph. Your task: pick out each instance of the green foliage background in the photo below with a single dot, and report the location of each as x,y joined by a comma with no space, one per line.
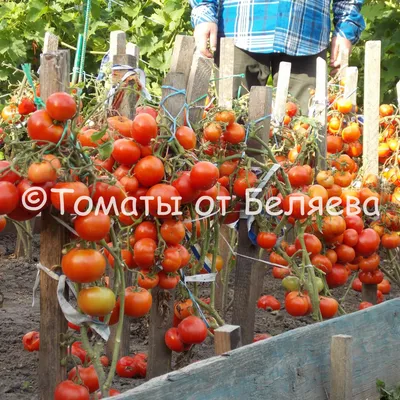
153,25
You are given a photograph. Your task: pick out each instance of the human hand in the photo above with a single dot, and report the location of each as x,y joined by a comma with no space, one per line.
340,45
203,32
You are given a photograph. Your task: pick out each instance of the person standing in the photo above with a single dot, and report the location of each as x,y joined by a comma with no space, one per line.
267,32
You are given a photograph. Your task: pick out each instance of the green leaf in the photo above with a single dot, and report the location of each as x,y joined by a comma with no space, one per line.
98,135
105,150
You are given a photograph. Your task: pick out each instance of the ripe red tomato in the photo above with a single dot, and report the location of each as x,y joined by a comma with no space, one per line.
144,128
345,254
312,243
225,116
204,175
83,265
384,286
168,281
186,137
299,176
96,301
174,341
212,132
41,128
122,125
26,106
106,164
61,106
298,211
146,229
85,138
185,255
184,186
328,307
130,184
245,181
9,197
322,262
372,277
93,227
234,133
126,257
368,242
350,237
364,304
77,351
291,109
147,280
87,375
42,172
337,277
108,195
31,341
296,304
126,367
390,240
138,302
357,285
192,330
266,240
79,190
144,252
371,263
147,110
268,301
6,174
68,390
163,194
171,260
140,360
173,232
149,171
126,151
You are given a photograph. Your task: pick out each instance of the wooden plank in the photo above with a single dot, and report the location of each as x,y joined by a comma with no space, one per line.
320,110
50,43
159,361
372,89
162,309
226,79
344,62
182,55
341,368
249,275
292,366
133,50
350,89
226,338
117,43
197,87
54,77
282,90
369,293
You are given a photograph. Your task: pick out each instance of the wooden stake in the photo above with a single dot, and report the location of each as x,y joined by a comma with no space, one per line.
282,90
226,78
133,50
371,106
350,89
226,338
249,275
369,293
162,309
197,87
321,95
117,43
344,62
54,77
182,55
50,43
341,368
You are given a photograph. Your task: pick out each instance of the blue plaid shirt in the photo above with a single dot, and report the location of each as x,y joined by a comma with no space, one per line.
293,27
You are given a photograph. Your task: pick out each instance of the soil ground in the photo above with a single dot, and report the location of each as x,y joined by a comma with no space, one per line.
18,368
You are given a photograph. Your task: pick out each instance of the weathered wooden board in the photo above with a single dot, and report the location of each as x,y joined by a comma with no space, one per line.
292,366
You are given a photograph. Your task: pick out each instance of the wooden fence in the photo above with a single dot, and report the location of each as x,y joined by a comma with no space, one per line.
302,364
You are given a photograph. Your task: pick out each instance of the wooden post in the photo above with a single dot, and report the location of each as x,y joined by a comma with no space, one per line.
54,77
226,82
182,55
344,63
226,338
249,275
321,95
197,87
398,93
341,368
282,90
120,56
371,126
162,309
350,89
371,106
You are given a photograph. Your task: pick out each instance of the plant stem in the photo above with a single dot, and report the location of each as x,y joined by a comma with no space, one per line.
214,260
